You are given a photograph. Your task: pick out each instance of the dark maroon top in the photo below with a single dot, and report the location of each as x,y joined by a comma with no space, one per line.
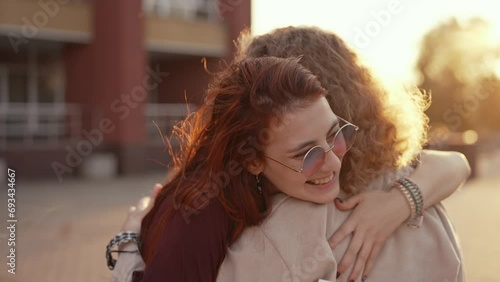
193,249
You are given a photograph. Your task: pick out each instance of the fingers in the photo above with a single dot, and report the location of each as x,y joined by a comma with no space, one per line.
349,203
349,225
146,203
156,190
351,253
371,259
344,230
363,255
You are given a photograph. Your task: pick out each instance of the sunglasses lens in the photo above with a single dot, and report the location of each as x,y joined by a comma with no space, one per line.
313,161
344,140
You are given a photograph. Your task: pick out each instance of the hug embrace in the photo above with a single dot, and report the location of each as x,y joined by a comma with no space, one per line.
299,166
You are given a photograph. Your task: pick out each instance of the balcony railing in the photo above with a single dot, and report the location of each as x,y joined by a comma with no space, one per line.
55,124
48,124
188,9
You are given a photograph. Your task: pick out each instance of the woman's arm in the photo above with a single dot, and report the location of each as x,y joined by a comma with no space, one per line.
188,250
127,263
453,170
377,214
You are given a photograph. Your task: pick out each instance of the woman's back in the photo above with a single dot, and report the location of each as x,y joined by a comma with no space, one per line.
197,241
292,245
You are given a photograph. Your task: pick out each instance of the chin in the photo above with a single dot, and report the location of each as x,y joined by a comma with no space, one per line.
326,200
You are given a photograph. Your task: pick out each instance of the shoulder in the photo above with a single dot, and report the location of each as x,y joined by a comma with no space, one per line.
283,245
192,245
198,226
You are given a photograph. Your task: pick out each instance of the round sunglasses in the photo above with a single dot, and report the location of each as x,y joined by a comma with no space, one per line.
315,157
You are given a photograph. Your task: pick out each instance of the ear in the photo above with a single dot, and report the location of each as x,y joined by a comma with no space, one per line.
255,167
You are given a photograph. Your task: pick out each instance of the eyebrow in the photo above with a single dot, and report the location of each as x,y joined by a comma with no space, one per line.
309,143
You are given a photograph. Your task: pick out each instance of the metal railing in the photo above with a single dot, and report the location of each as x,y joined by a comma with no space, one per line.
189,9
48,124
54,124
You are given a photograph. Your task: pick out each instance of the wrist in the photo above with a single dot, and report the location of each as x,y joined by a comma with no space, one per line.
122,239
128,246
414,198
404,210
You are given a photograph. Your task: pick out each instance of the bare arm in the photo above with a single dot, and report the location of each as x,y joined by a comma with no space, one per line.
127,263
453,170
377,214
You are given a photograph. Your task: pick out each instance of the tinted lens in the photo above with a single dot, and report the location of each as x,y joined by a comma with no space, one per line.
313,161
344,139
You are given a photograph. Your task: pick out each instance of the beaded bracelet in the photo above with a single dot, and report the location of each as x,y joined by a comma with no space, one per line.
118,240
415,200
408,198
415,193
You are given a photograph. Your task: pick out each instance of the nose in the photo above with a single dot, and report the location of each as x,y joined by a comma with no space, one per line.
332,162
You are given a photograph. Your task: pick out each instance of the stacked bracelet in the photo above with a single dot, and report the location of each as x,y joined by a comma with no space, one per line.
118,240
415,199
415,193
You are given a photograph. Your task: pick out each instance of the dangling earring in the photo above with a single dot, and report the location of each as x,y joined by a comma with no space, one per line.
259,188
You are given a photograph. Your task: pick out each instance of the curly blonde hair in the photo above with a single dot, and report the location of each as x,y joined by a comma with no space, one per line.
392,124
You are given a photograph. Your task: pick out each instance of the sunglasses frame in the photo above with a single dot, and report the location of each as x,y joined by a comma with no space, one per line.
347,123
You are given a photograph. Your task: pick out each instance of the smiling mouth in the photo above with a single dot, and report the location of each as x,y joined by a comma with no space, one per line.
321,181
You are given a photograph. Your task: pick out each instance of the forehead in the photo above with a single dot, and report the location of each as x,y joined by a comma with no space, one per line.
306,124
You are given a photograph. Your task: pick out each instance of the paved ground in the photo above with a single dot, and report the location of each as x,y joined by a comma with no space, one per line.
64,227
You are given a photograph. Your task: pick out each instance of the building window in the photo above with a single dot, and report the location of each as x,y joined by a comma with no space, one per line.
32,108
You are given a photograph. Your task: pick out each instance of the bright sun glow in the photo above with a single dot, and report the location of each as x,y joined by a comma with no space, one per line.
386,33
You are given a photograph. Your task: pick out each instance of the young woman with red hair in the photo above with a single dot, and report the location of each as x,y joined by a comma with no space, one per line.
256,110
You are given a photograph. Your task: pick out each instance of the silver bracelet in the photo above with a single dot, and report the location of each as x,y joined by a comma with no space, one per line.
118,240
418,200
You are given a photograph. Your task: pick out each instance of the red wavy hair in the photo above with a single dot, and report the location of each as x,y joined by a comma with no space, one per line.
224,133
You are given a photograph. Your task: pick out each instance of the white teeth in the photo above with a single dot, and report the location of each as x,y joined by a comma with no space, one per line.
322,180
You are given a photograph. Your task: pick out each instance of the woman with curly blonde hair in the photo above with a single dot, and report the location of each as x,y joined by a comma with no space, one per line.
393,123
293,243
390,139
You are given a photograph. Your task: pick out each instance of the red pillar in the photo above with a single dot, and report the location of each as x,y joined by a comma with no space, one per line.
80,84
108,78
184,75
236,14
121,78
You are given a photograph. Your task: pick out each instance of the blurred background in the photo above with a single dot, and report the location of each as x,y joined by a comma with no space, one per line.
89,88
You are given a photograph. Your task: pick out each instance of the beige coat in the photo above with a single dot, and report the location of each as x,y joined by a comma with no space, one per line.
291,245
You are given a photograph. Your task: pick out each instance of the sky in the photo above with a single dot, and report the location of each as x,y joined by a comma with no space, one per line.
385,33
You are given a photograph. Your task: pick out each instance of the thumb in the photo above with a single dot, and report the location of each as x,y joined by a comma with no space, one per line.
349,203
151,199
156,190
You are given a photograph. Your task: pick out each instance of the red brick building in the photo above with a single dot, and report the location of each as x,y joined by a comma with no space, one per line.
81,82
